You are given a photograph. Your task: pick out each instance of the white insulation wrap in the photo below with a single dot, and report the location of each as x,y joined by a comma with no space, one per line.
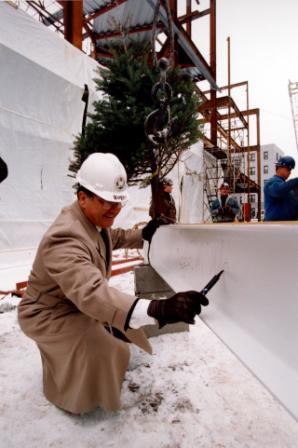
254,306
42,80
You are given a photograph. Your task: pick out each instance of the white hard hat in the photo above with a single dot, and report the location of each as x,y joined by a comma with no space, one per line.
104,175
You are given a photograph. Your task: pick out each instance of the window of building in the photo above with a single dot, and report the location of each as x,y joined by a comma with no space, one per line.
252,198
252,157
266,169
265,155
252,171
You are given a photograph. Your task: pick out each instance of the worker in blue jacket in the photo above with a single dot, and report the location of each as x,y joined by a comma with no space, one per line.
281,196
225,208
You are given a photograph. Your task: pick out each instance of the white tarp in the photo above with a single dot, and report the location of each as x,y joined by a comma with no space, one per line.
194,202
189,181
42,80
189,191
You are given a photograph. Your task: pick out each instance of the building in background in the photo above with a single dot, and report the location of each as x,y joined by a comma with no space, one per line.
269,155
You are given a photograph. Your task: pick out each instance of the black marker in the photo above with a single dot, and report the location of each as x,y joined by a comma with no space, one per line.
211,283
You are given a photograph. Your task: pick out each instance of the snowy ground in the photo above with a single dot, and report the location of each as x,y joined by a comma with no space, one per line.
191,393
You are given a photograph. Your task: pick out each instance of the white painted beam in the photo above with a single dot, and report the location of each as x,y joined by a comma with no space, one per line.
254,306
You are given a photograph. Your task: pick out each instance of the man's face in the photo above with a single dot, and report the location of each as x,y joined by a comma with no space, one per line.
100,212
283,171
168,188
224,191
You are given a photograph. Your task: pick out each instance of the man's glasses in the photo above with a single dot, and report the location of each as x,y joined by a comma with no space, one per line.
106,205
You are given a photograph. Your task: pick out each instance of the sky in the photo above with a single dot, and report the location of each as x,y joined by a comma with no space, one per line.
264,51
182,396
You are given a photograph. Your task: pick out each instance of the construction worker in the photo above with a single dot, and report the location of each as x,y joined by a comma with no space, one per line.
81,325
164,204
224,208
281,196
3,170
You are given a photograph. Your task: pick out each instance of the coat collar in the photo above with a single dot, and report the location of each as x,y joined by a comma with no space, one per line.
90,228
102,238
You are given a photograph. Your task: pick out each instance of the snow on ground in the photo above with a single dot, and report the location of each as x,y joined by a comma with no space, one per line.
191,393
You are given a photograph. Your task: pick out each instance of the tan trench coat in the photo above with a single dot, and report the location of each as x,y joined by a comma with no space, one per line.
66,305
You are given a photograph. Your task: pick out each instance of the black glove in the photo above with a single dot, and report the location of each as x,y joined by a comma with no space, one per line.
150,228
182,307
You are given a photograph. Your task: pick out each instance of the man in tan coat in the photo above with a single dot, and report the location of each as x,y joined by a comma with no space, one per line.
81,325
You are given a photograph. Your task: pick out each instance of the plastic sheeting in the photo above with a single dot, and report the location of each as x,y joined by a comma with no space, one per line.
189,179
42,80
194,202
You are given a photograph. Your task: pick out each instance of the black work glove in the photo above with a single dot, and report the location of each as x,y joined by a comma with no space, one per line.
182,307
150,228
229,211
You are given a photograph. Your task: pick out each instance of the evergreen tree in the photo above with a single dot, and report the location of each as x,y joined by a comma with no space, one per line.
117,124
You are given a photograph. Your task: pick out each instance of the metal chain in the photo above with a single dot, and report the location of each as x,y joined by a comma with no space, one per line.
158,124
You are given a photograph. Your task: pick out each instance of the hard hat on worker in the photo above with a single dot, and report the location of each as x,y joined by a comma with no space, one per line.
104,175
286,161
224,185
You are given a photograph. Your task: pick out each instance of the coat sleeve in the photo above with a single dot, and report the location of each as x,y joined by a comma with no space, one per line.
69,262
233,203
278,189
215,207
126,239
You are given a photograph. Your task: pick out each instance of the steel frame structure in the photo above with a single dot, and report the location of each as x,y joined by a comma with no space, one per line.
223,121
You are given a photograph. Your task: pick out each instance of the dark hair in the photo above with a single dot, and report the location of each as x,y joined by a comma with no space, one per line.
84,190
166,181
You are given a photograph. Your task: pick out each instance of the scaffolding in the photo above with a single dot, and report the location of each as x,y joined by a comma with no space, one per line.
232,148
227,133
293,93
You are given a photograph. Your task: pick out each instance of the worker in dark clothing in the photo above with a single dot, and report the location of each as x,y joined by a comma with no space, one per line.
164,204
3,170
224,208
281,196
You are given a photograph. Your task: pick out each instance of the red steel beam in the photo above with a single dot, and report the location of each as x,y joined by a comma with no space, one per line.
104,10
73,22
110,34
212,45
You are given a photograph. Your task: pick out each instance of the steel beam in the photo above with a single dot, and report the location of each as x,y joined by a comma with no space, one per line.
73,22
256,319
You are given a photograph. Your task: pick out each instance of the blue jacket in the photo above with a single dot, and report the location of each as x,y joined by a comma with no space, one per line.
281,202
224,214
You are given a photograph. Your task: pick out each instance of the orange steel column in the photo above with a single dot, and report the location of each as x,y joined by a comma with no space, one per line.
173,9
73,22
259,162
188,23
213,70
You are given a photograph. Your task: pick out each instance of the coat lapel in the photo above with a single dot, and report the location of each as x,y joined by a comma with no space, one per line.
107,242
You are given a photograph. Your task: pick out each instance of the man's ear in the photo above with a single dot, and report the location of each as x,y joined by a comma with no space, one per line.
82,198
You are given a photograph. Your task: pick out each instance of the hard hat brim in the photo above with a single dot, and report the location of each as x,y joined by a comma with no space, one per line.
114,196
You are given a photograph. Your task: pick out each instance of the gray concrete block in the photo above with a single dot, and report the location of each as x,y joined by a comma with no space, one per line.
153,330
149,285
148,281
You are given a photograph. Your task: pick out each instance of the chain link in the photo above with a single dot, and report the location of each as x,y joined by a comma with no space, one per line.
158,124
